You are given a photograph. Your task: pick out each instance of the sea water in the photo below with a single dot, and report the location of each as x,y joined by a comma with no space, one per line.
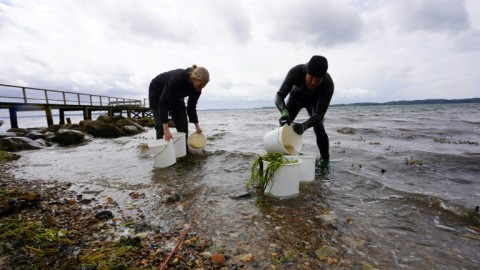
403,182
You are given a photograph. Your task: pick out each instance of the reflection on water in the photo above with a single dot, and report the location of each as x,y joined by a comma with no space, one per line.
387,212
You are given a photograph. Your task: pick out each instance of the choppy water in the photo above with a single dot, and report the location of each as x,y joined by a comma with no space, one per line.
388,213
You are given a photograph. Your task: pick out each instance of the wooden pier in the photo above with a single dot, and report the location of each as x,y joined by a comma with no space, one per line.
21,98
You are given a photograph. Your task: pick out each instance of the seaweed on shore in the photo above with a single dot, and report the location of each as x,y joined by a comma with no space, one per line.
7,156
45,227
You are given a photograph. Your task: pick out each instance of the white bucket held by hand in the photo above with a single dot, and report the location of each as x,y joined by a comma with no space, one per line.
179,143
163,153
286,180
283,140
196,142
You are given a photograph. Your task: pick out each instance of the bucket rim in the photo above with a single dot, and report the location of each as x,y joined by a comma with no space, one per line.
201,137
178,134
157,143
288,164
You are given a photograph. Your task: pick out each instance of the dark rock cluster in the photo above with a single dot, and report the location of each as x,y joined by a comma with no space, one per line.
18,139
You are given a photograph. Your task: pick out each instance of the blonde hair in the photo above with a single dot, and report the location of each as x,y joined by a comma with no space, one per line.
200,73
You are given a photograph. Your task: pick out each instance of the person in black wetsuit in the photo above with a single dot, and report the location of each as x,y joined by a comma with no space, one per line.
167,94
309,86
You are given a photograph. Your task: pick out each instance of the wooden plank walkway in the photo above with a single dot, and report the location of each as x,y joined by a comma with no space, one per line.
20,98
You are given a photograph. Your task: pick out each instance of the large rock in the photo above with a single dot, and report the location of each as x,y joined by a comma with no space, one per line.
19,131
110,119
53,128
129,127
7,134
14,144
69,137
130,130
101,129
35,135
146,121
127,122
50,136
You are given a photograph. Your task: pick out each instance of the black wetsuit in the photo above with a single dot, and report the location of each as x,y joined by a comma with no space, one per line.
167,94
316,101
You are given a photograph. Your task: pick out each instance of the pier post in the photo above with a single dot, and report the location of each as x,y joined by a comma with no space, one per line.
89,113
85,114
48,112
13,117
62,116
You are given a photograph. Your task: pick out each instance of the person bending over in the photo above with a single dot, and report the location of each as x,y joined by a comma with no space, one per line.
308,86
167,94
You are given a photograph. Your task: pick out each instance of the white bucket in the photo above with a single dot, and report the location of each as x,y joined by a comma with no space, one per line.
196,143
307,168
163,153
286,180
179,144
283,140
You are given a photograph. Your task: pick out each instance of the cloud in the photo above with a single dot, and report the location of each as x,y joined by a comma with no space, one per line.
468,41
315,23
433,15
377,50
236,19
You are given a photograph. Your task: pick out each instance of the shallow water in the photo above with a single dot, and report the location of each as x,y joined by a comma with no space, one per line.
389,213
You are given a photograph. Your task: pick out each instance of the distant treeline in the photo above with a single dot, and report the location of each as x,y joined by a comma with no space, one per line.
415,102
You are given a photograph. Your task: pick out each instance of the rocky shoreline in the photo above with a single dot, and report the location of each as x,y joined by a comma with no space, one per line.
44,225
48,225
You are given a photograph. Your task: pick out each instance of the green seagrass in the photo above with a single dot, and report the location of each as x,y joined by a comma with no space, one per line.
260,177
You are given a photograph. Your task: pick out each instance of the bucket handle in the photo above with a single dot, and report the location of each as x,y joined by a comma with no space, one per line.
160,151
279,136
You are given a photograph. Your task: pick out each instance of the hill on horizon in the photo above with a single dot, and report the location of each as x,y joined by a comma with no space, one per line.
414,102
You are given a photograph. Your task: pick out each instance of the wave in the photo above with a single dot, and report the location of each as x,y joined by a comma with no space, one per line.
460,214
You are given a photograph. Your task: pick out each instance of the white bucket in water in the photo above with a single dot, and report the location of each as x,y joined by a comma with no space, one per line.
283,140
196,143
163,153
307,168
179,144
286,180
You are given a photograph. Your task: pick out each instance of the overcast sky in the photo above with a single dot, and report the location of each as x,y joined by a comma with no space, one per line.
377,50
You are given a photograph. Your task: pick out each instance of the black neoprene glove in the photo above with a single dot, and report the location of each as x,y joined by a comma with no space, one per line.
298,128
285,119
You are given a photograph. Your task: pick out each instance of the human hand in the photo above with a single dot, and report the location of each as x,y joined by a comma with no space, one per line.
285,119
168,135
198,129
298,128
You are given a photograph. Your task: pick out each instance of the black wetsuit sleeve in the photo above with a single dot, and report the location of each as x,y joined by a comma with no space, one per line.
322,103
286,87
192,107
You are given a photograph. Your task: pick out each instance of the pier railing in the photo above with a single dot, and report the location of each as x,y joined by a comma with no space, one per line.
31,95
21,98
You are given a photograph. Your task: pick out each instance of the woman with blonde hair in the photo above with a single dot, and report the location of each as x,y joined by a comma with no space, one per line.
167,94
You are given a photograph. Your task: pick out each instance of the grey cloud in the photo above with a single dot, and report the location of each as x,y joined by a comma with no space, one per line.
236,19
434,15
468,41
154,25
144,20
325,24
